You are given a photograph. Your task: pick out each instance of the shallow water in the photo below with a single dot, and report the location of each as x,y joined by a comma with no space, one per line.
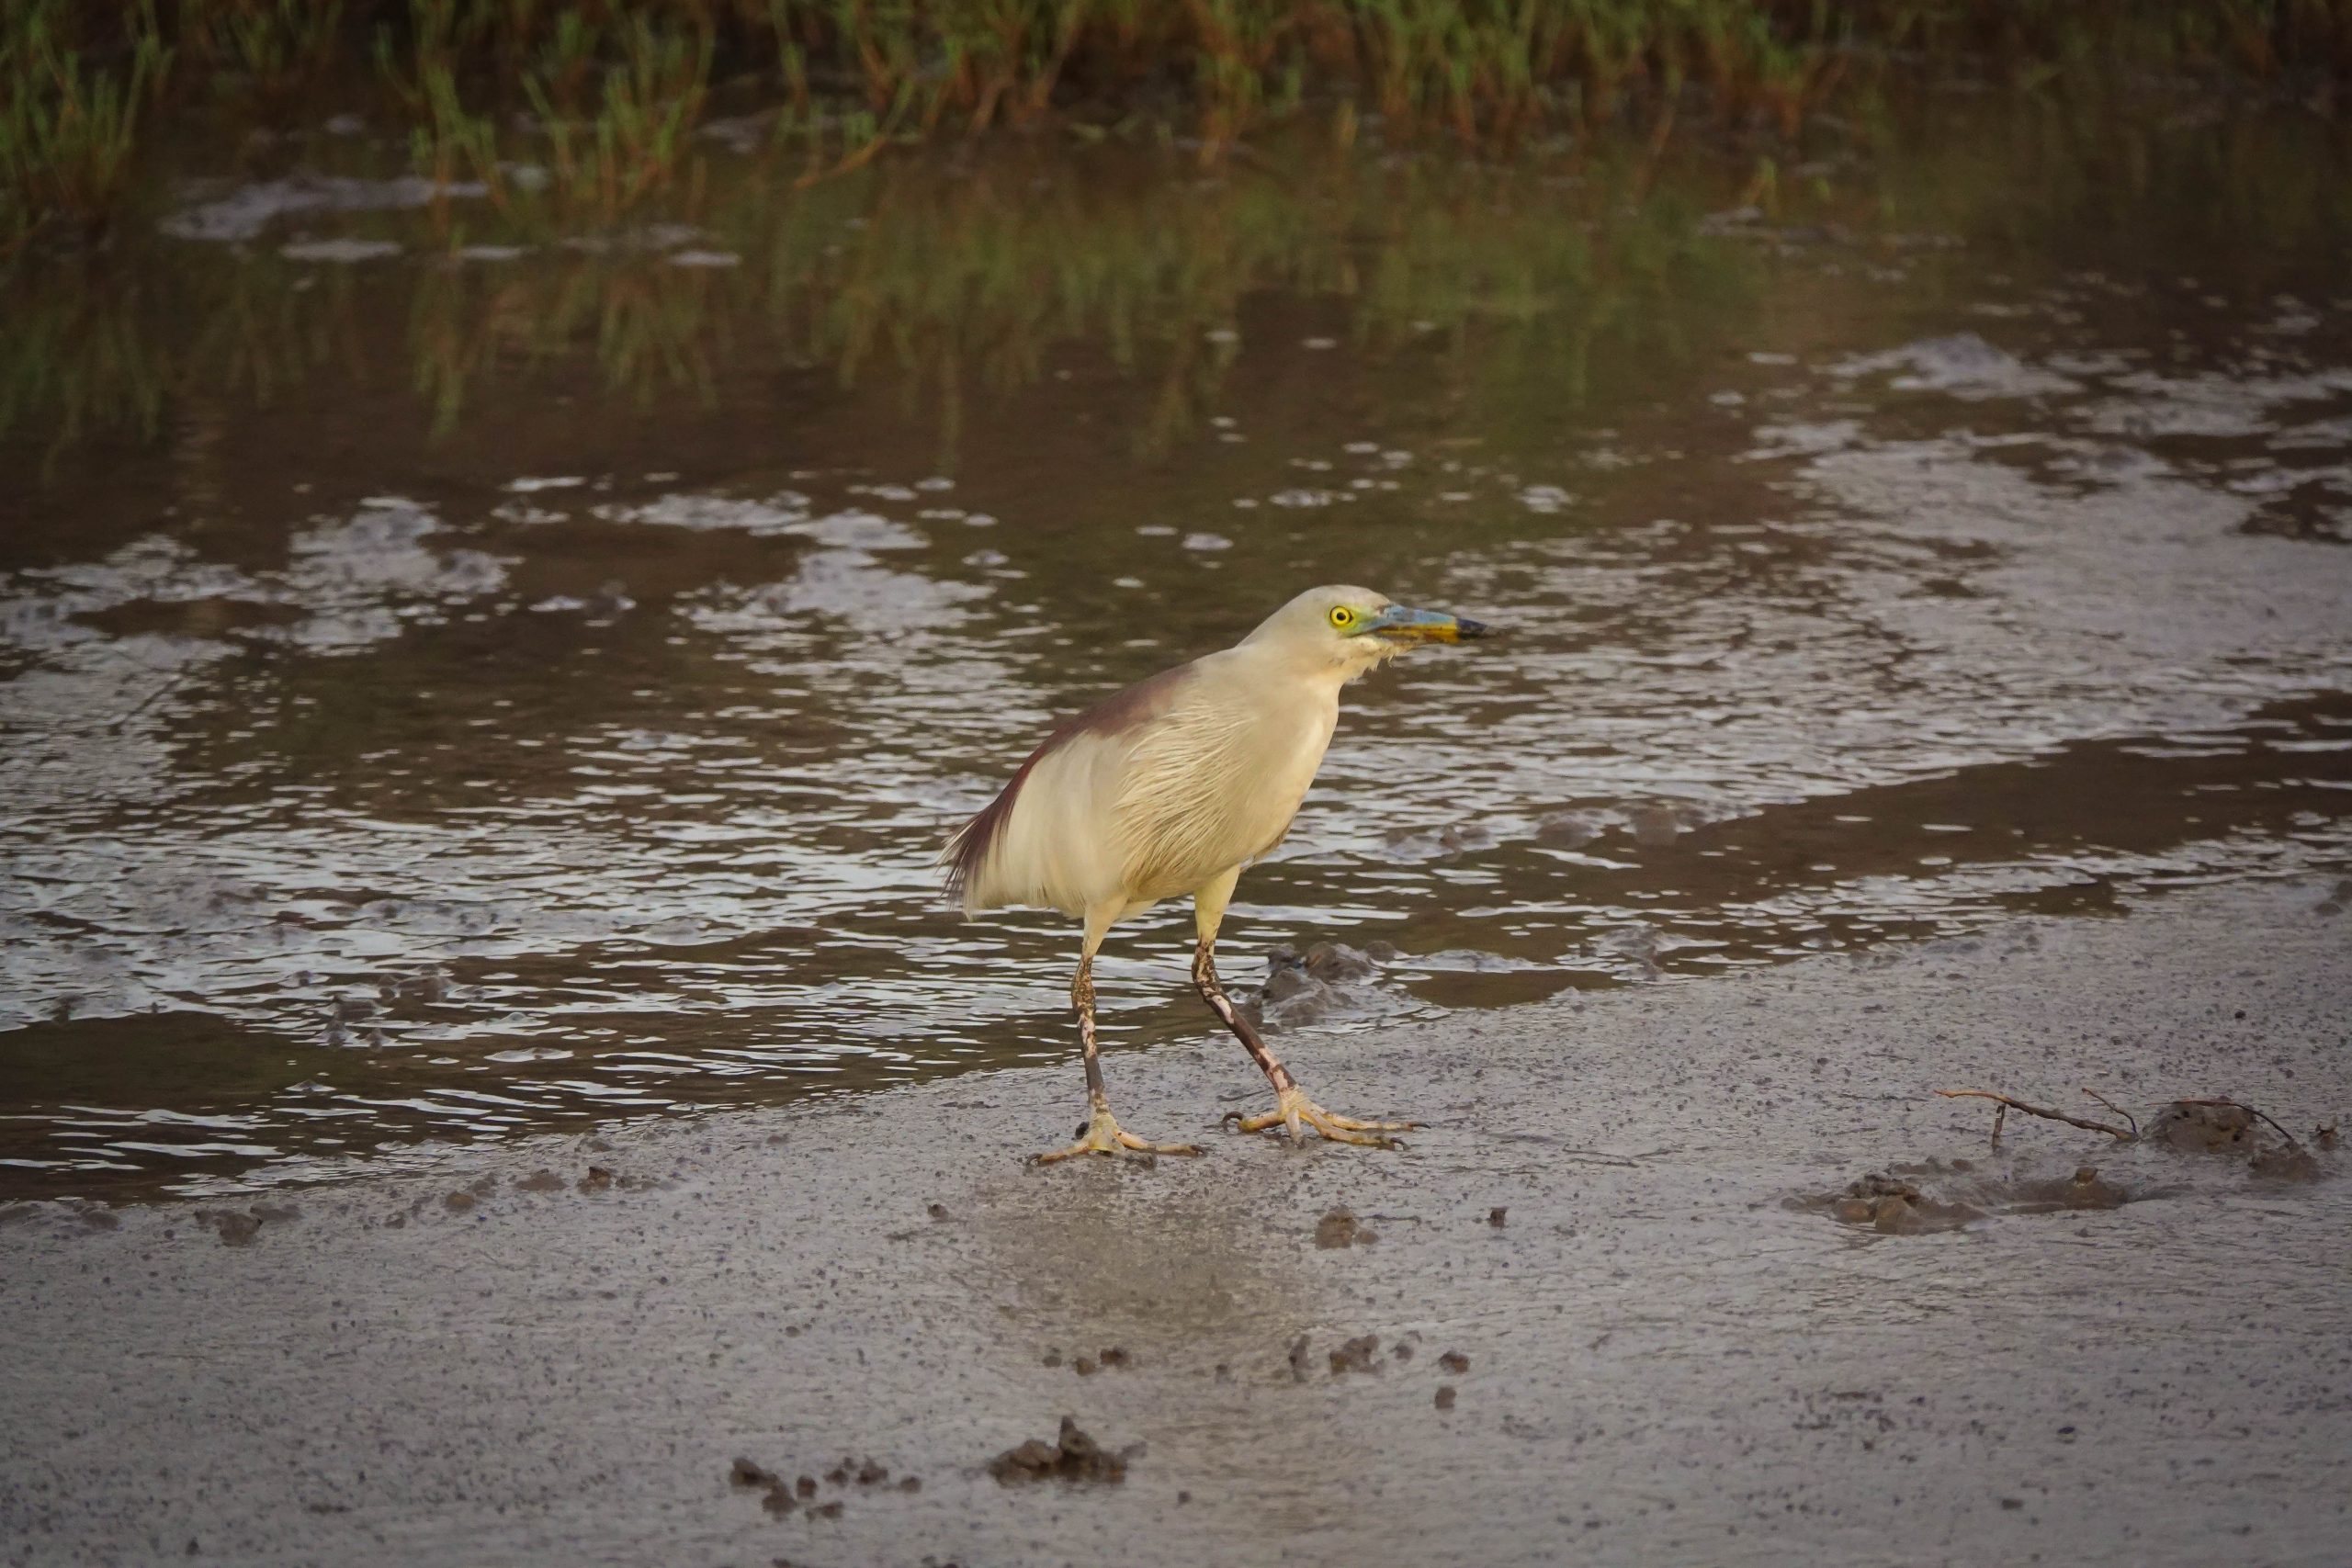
463,673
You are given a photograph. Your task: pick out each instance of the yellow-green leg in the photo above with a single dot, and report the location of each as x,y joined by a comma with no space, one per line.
1102,1134
1293,1111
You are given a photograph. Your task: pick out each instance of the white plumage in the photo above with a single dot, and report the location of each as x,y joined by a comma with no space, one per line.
1172,786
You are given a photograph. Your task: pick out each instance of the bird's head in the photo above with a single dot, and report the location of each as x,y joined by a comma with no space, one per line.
1355,629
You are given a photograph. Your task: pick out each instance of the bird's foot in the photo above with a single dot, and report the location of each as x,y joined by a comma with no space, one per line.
1295,1112
1104,1135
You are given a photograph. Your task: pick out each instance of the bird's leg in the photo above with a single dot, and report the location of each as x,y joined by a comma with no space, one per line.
1102,1134
1293,1109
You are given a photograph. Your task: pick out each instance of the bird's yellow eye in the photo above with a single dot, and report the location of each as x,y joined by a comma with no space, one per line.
1343,617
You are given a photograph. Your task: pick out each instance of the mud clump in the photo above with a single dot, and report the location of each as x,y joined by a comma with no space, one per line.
1570,829
1445,1396
2084,1190
1303,988
1339,1228
2205,1129
597,1179
540,1181
1498,1216
2229,1128
776,1496
780,1496
1896,1207
235,1227
1298,1358
2285,1165
1075,1457
1358,1355
1454,1361
1958,1194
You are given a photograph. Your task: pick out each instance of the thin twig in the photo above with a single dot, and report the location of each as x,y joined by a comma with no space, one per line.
2014,1104
2117,1109
2242,1105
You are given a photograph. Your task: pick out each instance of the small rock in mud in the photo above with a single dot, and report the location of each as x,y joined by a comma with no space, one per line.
1084,1367
805,1485
745,1473
778,1499
910,1484
872,1475
458,1203
937,1210
540,1181
1356,1355
1401,1350
1445,1400
1298,1358
1497,1215
1115,1356
1076,1456
1339,1228
596,1180
2325,1137
1053,1357
826,1511
838,1476
1454,1361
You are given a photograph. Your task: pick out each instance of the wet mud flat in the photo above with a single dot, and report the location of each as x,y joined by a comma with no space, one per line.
1606,1308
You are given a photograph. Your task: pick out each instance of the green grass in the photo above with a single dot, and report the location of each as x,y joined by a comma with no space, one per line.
69,123
615,89
957,280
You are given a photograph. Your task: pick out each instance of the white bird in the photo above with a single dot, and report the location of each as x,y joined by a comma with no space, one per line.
1172,786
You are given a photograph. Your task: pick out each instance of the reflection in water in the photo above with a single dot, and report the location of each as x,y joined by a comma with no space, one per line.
524,678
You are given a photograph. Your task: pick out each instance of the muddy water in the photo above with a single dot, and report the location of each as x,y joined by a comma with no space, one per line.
465,669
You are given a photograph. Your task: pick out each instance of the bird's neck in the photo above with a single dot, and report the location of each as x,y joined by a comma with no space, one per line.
1316,678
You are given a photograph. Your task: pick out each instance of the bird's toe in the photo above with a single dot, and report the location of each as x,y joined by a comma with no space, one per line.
1104,1135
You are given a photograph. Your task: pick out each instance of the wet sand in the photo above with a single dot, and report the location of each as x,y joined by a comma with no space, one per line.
1610,1246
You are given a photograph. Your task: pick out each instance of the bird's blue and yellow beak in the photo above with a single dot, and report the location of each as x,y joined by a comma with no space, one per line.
1401,623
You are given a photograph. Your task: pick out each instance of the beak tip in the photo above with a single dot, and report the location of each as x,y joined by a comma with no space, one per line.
1468,629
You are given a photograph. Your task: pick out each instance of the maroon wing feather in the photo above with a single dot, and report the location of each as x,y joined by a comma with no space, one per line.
969,850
